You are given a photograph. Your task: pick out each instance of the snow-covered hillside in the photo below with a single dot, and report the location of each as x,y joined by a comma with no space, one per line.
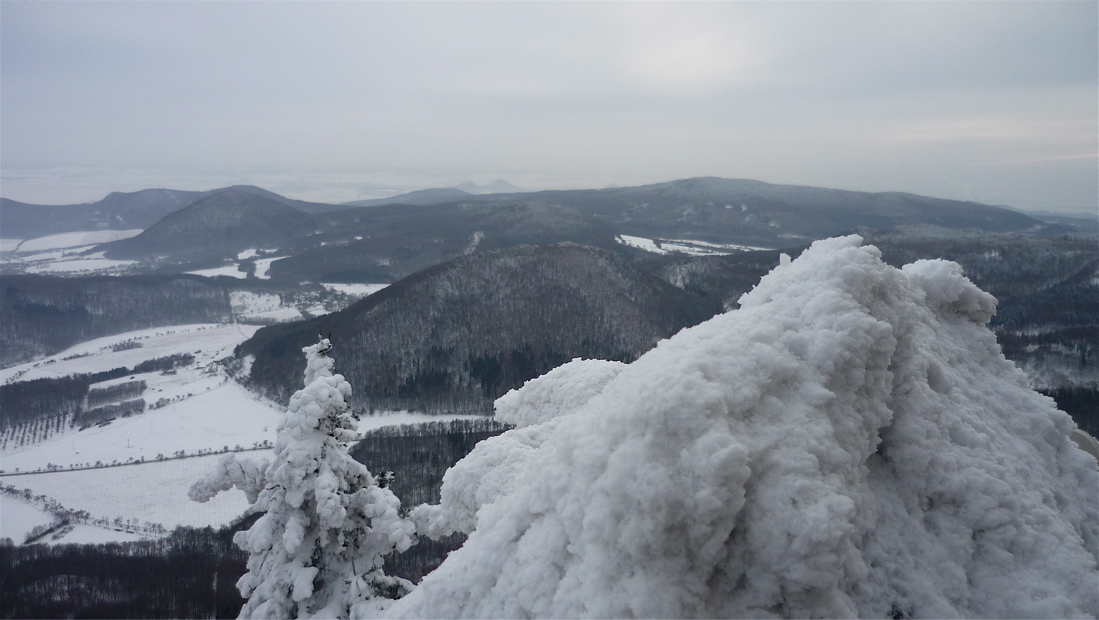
74,240
683,246
849,443
206,341
65,253
147,461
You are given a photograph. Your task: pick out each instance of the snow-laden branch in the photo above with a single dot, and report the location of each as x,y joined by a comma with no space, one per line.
232,471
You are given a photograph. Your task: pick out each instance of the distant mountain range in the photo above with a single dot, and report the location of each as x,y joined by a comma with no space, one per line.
118,211
499,186
758,213
707,208
440,195
383,240
421,197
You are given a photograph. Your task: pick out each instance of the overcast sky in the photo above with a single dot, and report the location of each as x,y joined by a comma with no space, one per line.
988,101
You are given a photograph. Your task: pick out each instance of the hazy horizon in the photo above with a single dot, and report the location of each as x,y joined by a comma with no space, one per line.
339,101
82,186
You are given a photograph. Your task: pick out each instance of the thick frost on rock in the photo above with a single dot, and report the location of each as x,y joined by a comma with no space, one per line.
850,442
490,470
559,392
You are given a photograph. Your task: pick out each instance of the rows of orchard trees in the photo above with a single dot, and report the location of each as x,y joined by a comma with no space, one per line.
31,411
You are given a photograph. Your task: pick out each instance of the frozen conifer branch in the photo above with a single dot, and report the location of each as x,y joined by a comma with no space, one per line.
851,442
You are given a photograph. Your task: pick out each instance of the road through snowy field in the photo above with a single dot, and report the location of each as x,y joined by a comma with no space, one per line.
151,492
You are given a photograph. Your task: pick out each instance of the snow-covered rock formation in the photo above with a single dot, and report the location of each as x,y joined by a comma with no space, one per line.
850,442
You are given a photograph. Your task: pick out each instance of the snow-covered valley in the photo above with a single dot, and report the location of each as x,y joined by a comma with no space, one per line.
139,467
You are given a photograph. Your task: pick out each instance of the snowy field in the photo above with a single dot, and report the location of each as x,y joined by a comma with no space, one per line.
360,290
150,492
263,267
18,517
684,246
73,240
200,409
62,261
229,270
270,306
206,341
156,491
64,253
80,264
219,414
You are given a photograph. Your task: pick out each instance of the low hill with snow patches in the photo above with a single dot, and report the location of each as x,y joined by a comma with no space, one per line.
850,442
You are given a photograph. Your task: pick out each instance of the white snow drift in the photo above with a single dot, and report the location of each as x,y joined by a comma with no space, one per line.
851,442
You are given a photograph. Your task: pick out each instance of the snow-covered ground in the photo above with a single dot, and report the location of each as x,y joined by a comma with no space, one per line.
361,290
74,240
263,267
64,253
684,246
197,408
206,341
150,492
61,261
89,264
217,413
18,517
229,270
156,491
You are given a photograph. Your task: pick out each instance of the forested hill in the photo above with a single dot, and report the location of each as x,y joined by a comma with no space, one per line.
770,215
458,335
224,223
46,314
119,211
385,243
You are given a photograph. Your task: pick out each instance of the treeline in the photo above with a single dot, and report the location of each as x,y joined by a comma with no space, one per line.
191,573
419,454
1080,403
72,397
46,314
163,364
455,337
115,393
112,411
27,401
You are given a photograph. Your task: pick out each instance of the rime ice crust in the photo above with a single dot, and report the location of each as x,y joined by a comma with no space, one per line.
560,391
850,442
490,470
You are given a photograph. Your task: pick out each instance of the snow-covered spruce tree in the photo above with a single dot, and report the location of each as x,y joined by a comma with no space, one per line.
317,550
